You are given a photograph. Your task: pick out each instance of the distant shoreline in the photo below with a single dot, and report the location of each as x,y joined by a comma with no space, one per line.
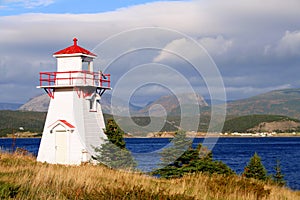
206,135
171,135
219,137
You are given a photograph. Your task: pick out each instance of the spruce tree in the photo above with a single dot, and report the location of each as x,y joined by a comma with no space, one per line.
278,177
173,155
115,134
255,169
113,152
181,158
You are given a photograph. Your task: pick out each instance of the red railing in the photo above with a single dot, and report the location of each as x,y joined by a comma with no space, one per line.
74,78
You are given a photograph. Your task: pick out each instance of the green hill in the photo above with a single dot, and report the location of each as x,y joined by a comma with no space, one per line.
245,123
31,121
279,102
11,121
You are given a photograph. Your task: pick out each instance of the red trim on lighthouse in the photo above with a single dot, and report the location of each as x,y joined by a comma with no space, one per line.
74,49
69,78
64,122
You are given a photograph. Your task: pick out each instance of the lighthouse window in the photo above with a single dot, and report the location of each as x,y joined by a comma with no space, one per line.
93,104
85,66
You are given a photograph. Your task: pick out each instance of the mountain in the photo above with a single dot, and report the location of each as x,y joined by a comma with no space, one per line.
9,106
121,107
38,104
41,104
172,104
277,102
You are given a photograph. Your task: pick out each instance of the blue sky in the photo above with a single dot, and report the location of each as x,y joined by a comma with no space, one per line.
254,44
13,7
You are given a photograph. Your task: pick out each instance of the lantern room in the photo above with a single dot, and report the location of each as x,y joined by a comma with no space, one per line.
74,58
74,69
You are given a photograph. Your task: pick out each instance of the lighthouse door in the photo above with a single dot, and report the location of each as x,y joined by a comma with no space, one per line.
61,146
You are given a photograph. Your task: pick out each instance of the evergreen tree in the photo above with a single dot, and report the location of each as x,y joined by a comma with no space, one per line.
278,177
180,158
173,155
255,169
115,134
113,152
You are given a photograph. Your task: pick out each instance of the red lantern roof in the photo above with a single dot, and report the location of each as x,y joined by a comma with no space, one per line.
74,49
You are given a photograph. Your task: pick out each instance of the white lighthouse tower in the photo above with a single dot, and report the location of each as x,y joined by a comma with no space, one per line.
74,124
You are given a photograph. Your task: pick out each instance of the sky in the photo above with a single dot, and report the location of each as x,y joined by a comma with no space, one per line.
240,47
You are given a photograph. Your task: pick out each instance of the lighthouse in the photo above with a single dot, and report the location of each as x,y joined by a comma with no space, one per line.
74,124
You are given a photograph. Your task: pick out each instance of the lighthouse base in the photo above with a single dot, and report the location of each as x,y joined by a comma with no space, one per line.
73,129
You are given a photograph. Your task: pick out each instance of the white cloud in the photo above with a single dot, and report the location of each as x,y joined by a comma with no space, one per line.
28,3
234,32
217,45
177,46
195,48
289,44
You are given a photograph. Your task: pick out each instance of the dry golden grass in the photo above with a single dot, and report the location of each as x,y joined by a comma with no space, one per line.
21,177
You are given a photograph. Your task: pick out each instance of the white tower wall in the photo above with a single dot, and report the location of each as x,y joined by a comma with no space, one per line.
73,63
80,141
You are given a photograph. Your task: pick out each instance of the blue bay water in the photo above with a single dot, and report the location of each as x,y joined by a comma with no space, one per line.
235,152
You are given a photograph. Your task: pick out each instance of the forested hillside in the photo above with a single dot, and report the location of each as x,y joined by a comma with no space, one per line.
11,121
278,102
248,122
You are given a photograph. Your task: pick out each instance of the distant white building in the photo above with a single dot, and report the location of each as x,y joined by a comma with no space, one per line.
74,123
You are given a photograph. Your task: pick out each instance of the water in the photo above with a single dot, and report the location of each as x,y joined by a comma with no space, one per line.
235,152
29,144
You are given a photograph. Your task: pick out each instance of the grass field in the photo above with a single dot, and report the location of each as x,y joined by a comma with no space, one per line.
21,177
